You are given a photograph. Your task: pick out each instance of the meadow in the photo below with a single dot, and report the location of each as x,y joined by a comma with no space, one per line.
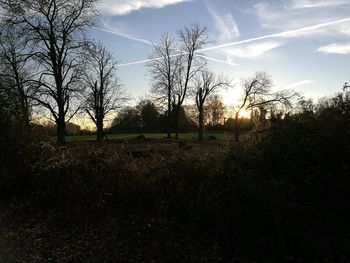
188,136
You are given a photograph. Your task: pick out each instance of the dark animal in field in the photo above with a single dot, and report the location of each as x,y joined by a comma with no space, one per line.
141,137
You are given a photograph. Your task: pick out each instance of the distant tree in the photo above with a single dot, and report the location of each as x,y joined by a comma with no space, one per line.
257,95
56,30
191,113
104,93
149,116
185,122
306,106
72,129
163,66
191,40
127,120
205,84
215,110
50,128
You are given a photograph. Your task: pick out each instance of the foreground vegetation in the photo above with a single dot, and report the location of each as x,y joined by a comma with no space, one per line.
281,196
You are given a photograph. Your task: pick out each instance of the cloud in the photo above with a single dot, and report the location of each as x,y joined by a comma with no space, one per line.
292,14
345,30
252,50
300,83
225,25
336,48
301,4
227,62
123,7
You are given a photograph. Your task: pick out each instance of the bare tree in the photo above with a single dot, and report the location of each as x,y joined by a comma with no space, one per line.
56,28
215,109
14,66
163,66
205,84
191,40
257,95
104,92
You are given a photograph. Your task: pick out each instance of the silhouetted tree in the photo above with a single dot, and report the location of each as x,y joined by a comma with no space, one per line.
14,54
191,40
215,110
104,93
205,84
257,95
56,30
149,115
72,129
128,120
163,68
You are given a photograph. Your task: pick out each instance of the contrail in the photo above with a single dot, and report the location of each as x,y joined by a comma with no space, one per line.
138,62
150,43
288,33
145,41
300,83
218,60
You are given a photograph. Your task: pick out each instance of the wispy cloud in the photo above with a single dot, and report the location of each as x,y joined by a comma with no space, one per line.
301,4
228,30
123,7
335,48
292,14
300,83
252,50
225,25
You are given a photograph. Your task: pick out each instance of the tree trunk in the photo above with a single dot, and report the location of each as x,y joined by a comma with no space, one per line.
176,123
201,124
237,131
61,130
100,133
25,112
169,116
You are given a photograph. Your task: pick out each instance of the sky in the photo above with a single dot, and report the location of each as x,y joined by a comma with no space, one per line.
303,44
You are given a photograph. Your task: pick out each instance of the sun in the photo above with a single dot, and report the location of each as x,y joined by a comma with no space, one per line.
232,99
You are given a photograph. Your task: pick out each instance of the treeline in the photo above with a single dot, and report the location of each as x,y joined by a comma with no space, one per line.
146,117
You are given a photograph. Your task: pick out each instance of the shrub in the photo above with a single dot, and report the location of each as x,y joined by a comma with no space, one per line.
306,157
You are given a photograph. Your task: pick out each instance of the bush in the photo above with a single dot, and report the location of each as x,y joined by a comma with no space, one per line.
14,139
306,157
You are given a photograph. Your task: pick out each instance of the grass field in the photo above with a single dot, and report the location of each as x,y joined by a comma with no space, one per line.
220,136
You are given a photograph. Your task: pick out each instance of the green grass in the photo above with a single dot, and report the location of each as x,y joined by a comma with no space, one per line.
193,136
